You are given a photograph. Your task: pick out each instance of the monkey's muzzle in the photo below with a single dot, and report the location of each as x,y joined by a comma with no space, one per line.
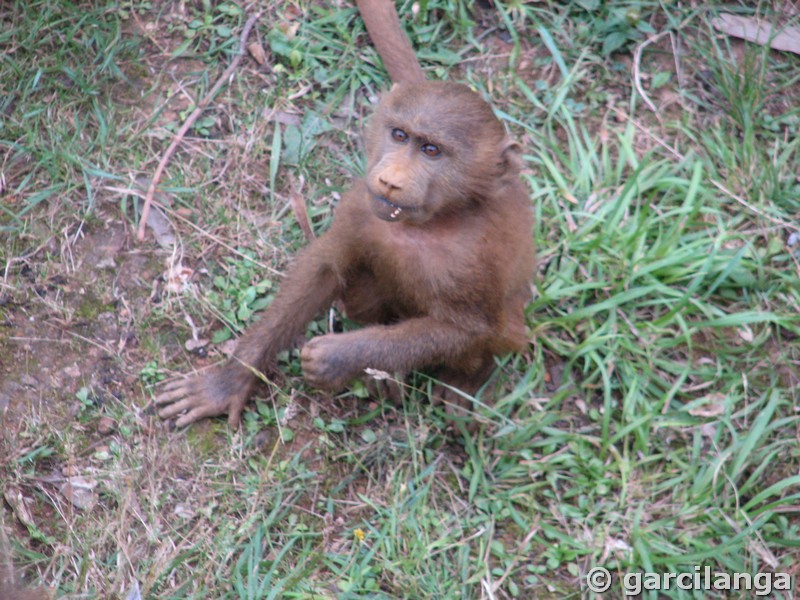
386,209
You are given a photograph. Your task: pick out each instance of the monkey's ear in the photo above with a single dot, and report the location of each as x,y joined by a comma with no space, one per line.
511,156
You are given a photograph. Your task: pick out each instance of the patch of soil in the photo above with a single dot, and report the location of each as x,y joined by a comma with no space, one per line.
69,325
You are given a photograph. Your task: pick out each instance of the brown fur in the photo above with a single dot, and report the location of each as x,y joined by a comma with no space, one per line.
383,26
431,252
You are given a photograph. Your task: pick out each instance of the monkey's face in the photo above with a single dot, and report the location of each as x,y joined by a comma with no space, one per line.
431,149
402,180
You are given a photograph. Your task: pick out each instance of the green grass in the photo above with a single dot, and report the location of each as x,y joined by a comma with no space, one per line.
651,426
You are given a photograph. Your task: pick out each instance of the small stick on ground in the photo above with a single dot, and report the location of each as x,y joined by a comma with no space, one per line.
148,199
637,59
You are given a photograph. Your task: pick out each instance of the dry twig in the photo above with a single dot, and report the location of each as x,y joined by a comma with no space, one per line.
637,59
148,200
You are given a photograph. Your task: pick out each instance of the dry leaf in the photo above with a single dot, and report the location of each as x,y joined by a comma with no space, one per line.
613,545
184,511
106,425
227,347
299,208
79,492
284,118
195,344
755,30
377,374
161,227
757,547
256,50
745,333
156,219
17,502
177,277
289,29
709,429
712,405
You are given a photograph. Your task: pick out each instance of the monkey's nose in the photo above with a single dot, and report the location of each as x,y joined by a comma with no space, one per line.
388,184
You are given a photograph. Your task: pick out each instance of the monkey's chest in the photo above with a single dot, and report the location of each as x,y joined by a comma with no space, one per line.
405,276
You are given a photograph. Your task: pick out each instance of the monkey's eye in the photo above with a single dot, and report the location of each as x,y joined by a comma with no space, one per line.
430,150
398,135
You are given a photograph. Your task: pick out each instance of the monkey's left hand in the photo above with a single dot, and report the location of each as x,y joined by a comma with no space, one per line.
330,361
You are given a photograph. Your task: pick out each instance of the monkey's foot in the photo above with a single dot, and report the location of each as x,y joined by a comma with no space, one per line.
209,394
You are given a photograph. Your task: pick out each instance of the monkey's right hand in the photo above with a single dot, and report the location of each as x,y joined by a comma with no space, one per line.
219,390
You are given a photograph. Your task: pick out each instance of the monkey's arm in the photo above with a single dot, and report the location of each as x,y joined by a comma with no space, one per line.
310,287
332,361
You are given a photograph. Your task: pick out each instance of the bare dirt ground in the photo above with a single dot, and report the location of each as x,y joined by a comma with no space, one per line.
72,328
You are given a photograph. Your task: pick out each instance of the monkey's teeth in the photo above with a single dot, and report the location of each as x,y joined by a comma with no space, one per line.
396,212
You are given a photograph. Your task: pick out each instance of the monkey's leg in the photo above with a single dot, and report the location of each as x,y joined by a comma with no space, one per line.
468,377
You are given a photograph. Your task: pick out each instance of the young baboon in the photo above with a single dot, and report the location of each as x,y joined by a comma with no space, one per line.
431,252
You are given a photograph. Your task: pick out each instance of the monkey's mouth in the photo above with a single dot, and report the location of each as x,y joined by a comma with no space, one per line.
388,210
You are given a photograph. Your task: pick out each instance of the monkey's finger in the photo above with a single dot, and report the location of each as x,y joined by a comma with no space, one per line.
175,409
234,417
321,382
197,413
305,351
175,390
